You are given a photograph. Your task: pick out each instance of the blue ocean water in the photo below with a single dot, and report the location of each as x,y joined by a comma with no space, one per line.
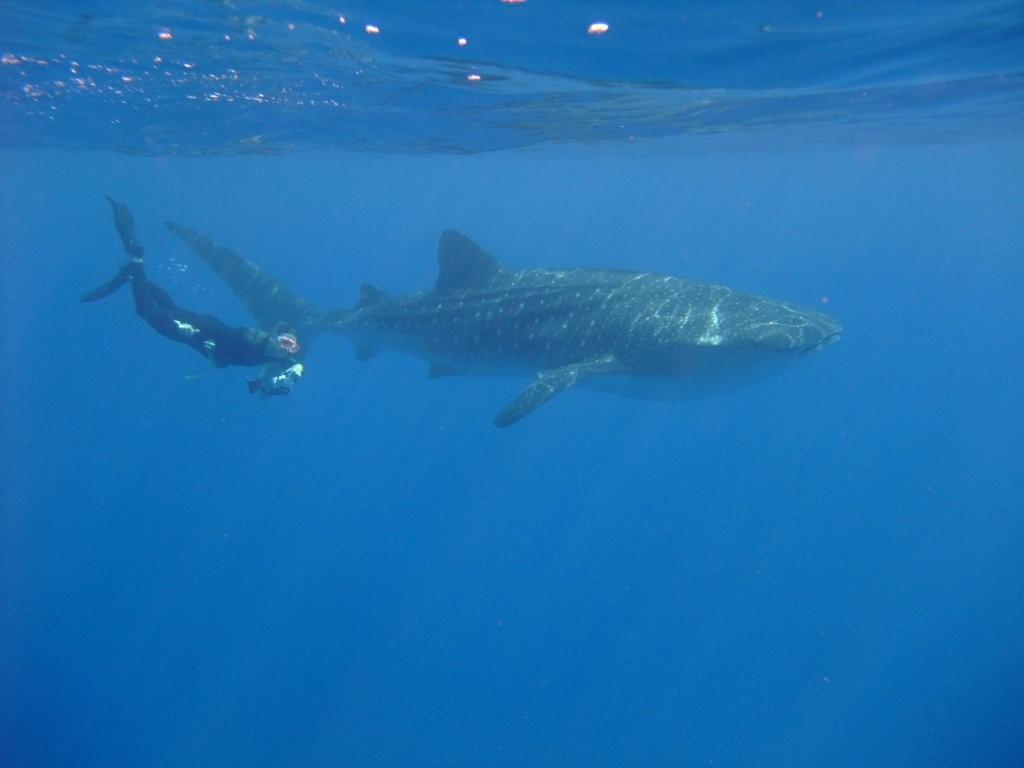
823,569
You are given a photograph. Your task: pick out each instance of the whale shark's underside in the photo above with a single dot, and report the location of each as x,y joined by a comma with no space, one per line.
633,333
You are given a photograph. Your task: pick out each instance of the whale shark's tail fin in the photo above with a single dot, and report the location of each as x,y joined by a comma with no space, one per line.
269,300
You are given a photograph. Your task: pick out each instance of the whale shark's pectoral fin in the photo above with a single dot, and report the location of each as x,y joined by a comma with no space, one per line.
552,381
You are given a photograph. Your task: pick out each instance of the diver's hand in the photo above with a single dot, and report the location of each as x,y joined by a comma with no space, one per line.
281,384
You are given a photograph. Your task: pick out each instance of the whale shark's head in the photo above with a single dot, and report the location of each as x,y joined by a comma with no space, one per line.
779,328
818,332
744,339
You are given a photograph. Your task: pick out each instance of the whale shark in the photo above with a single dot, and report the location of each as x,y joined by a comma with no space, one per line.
638,334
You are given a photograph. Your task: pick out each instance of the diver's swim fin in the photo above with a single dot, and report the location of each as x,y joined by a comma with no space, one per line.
123,276
125,223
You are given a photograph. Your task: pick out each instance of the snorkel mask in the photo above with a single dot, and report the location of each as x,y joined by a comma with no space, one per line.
288,344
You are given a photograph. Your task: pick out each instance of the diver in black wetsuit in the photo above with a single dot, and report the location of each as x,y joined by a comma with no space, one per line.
223,344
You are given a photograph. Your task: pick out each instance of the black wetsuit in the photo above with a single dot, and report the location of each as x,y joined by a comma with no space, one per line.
207,335
223,344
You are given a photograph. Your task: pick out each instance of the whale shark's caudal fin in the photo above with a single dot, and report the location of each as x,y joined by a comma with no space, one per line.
269,300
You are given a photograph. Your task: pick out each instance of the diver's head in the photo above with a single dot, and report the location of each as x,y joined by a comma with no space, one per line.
284,343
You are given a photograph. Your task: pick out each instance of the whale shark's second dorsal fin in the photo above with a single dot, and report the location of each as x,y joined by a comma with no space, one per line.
462,263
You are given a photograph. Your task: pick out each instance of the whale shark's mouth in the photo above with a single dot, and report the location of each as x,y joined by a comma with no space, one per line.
832,338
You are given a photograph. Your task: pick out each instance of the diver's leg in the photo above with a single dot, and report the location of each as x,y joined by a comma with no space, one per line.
206,334
154,305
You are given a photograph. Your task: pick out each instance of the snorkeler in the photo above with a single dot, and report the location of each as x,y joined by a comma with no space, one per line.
224,345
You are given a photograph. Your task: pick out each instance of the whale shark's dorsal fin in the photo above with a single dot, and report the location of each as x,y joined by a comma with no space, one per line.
369,295
462,263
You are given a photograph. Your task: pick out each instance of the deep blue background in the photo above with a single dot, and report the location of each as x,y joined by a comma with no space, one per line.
825,569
